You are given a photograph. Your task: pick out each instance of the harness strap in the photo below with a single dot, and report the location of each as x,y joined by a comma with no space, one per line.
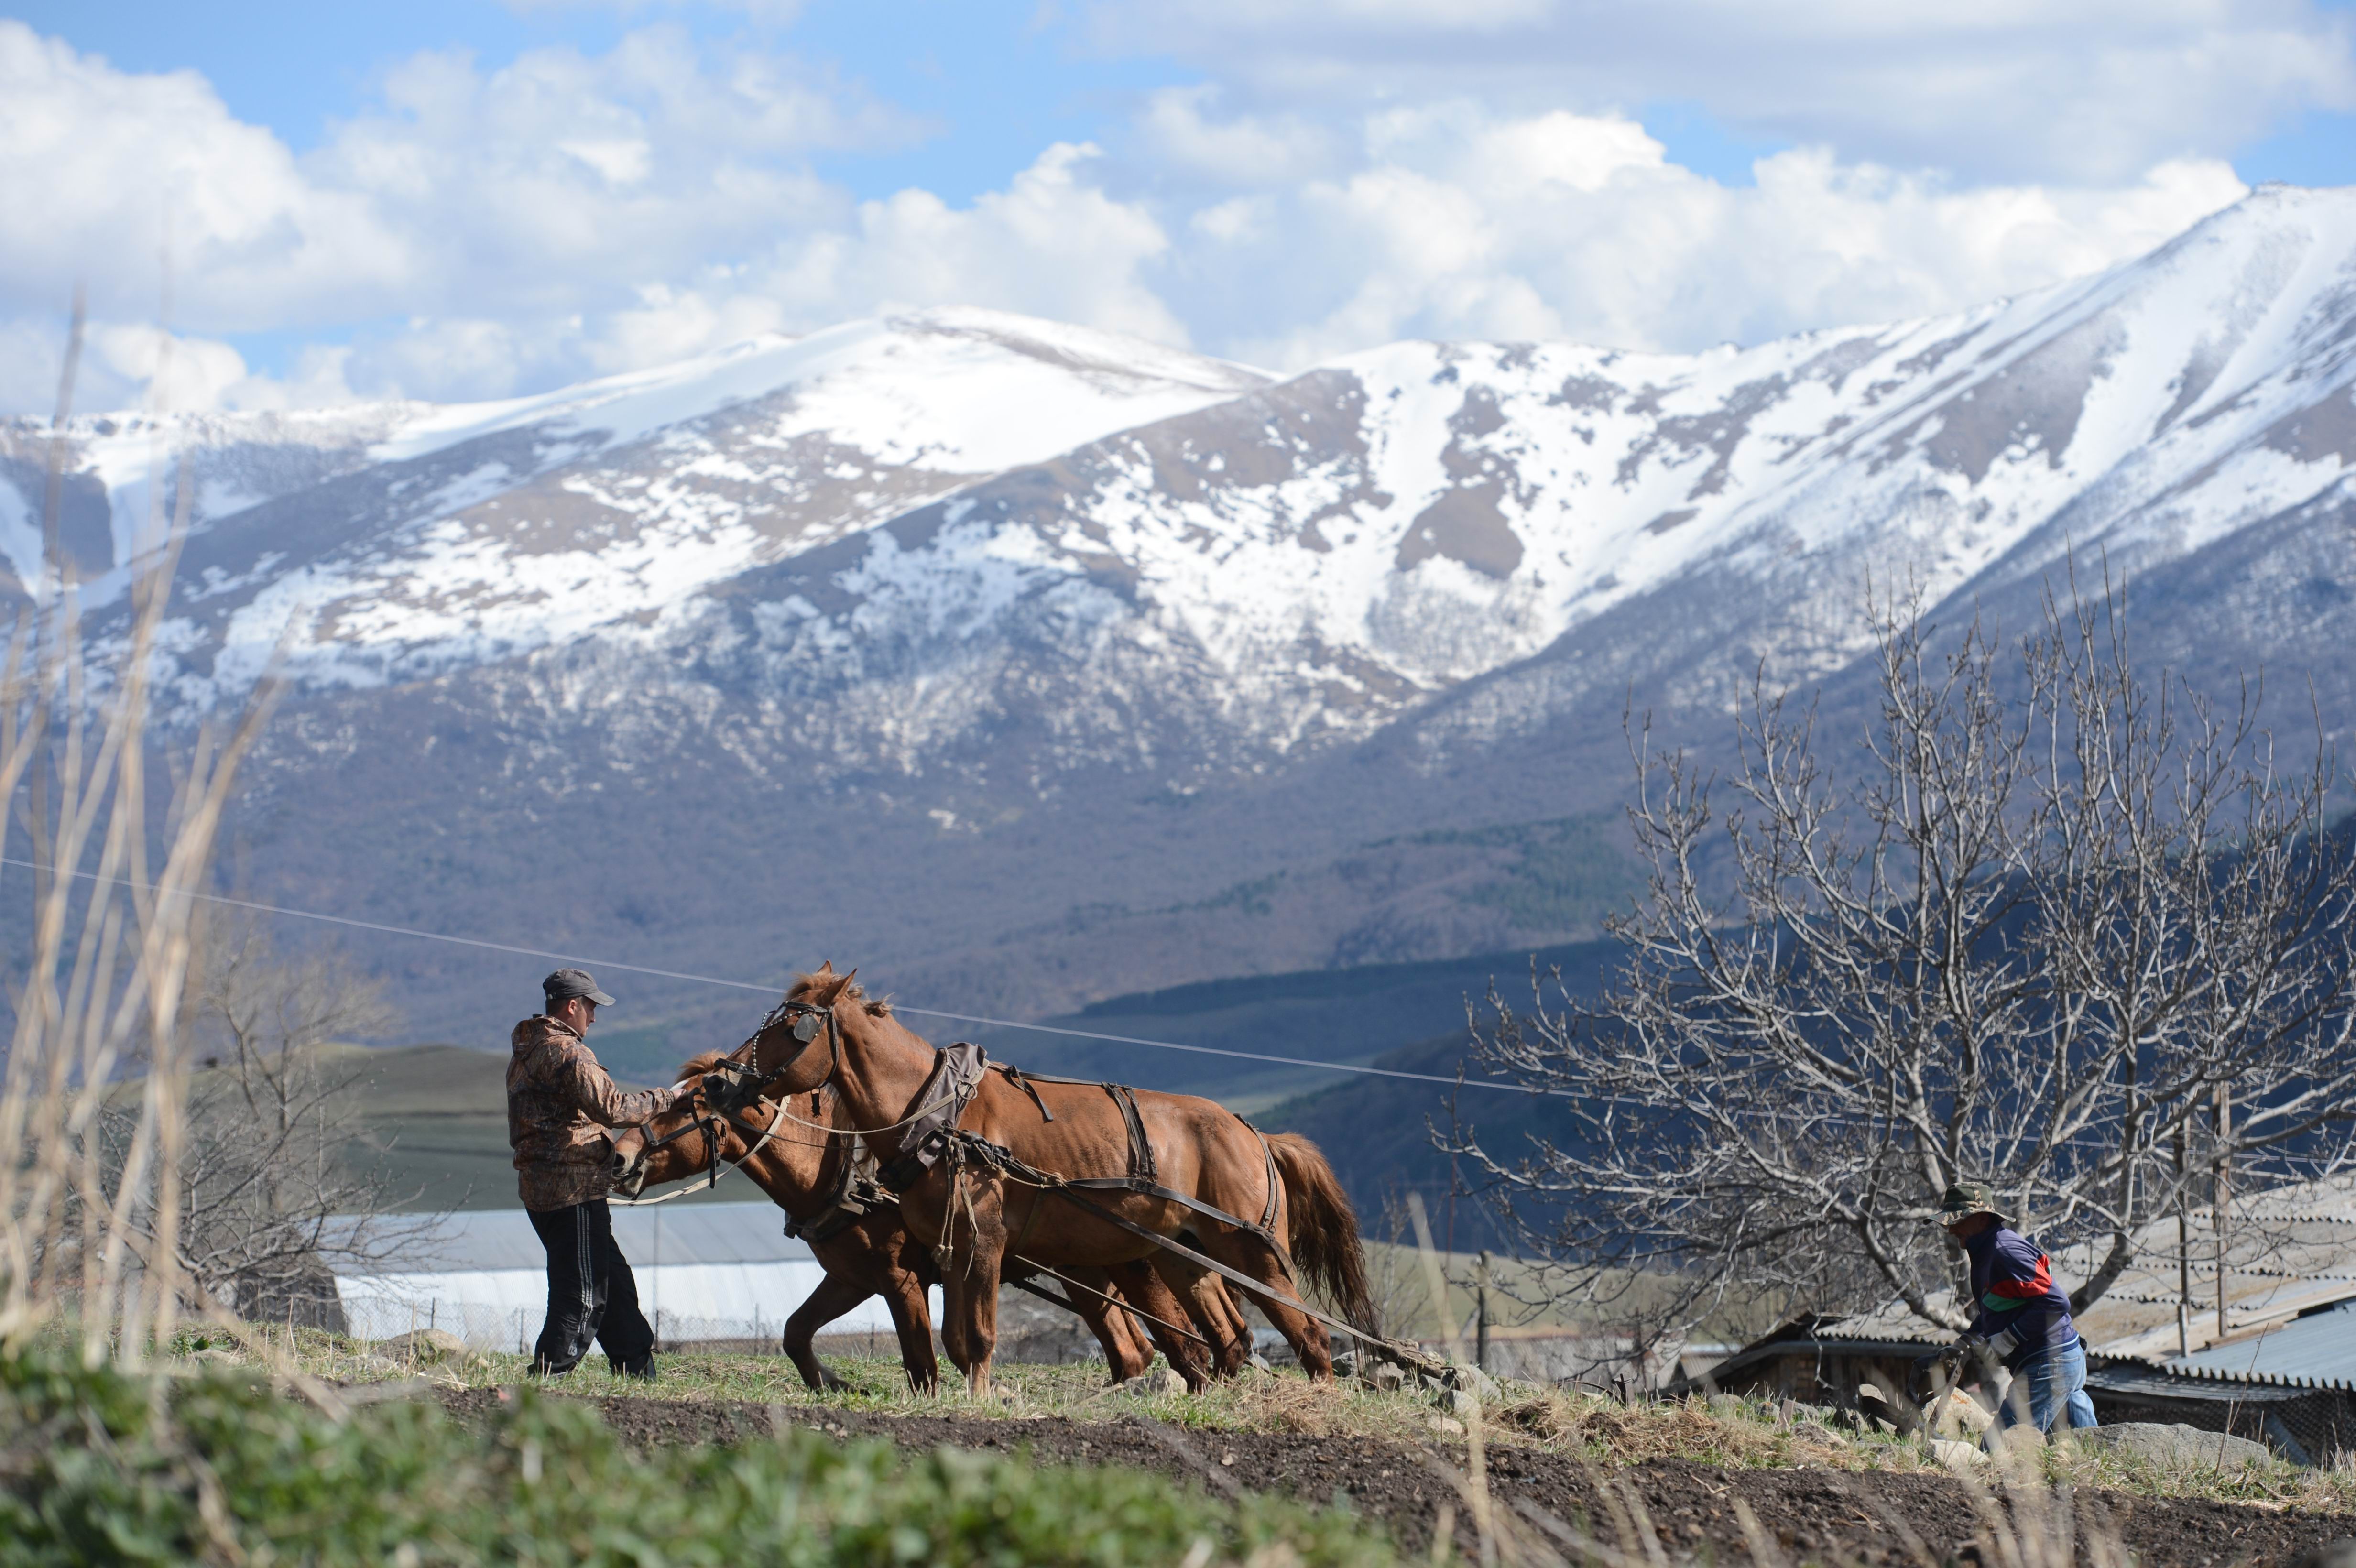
1275,1183
1141,1148
1155,1190
1071,1283
1030,1223
855,1197
1016,1076
1006,1161
1047,1077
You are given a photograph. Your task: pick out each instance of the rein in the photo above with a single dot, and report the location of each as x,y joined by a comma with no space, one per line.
716,1165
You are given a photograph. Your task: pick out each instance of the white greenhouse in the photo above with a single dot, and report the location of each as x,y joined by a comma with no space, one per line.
705,1272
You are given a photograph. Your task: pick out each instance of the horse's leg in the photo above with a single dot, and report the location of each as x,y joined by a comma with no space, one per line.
1127,1354
1248,1255
1141,1283
913,1320
975,1230
1224,1301
1217,1304
953,1322
837,1294
1198,1289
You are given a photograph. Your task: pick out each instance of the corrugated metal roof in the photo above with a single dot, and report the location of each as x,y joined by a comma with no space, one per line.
2292,1250
2320,1346
671,1233
2136,1379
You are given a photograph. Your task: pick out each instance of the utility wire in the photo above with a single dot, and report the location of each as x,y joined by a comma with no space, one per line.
923,1013
766,989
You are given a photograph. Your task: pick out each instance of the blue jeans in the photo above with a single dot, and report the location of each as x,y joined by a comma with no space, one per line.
2049,1382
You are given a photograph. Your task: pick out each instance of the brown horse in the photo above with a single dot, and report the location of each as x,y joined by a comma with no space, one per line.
981,1221
800,1169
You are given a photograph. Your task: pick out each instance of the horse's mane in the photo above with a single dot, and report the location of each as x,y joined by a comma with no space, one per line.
701,1062
851,991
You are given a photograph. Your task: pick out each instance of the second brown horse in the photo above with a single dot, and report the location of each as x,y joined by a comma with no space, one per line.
981,1222
800,1167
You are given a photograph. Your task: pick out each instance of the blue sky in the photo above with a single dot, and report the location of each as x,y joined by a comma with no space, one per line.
447,198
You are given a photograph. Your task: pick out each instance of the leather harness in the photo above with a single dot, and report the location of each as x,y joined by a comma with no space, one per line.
934,1136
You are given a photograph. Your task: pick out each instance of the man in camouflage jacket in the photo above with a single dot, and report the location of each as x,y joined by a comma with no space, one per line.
560,1105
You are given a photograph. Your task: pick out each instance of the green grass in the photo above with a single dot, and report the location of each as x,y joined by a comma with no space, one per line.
1600,1430
100,1467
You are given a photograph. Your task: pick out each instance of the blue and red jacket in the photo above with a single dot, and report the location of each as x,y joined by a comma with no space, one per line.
2022,1313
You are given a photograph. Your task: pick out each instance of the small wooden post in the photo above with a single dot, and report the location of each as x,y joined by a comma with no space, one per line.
2224,1193
1481,1313
2183,1253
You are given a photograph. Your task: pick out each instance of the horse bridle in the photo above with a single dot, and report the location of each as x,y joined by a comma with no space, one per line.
696,1120
809,1019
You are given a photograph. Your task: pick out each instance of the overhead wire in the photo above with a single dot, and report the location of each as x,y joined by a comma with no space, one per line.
771,987
385,929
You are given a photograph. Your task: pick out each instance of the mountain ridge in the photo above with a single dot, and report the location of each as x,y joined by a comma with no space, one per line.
787,669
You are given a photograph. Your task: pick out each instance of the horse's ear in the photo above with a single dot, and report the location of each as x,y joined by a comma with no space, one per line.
834,987
825,971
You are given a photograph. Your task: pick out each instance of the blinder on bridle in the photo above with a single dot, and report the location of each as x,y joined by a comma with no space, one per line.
742,1082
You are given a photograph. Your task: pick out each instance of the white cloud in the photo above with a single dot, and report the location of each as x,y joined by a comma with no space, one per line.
1460,224
2007,89
768,13
1177,131
476,232
557,182
1051,244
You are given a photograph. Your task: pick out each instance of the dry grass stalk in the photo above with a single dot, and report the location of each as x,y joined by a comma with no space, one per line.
86,1231
1477,1475
1763,1550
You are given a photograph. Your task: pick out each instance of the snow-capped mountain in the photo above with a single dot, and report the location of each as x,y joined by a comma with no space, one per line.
1330,553
401,540
1055,621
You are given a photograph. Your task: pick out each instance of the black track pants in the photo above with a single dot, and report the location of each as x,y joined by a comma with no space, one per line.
590,1293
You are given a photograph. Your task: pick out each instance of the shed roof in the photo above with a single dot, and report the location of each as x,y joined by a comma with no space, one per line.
671,1233
2290,1251
2290,1291
2319,1345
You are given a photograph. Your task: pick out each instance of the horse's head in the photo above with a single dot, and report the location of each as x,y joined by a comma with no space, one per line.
800,1046
670,1145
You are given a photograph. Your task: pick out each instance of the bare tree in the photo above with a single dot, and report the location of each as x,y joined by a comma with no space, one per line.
277,1185
2046,924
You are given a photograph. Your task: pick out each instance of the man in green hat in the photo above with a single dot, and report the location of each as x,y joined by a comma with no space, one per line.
2024,1318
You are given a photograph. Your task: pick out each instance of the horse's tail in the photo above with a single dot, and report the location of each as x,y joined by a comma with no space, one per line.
1324,1230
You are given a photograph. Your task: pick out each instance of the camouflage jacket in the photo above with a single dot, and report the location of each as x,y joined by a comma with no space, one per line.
560,1102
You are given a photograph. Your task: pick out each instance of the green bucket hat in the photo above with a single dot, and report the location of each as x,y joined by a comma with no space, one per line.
1968,1198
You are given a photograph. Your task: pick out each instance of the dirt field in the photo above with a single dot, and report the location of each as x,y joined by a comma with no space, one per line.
1811,1514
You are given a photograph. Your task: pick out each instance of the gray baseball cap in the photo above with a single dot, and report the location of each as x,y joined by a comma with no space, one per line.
569,983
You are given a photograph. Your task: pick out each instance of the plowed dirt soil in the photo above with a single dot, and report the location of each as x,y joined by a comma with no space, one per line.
1812,1515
